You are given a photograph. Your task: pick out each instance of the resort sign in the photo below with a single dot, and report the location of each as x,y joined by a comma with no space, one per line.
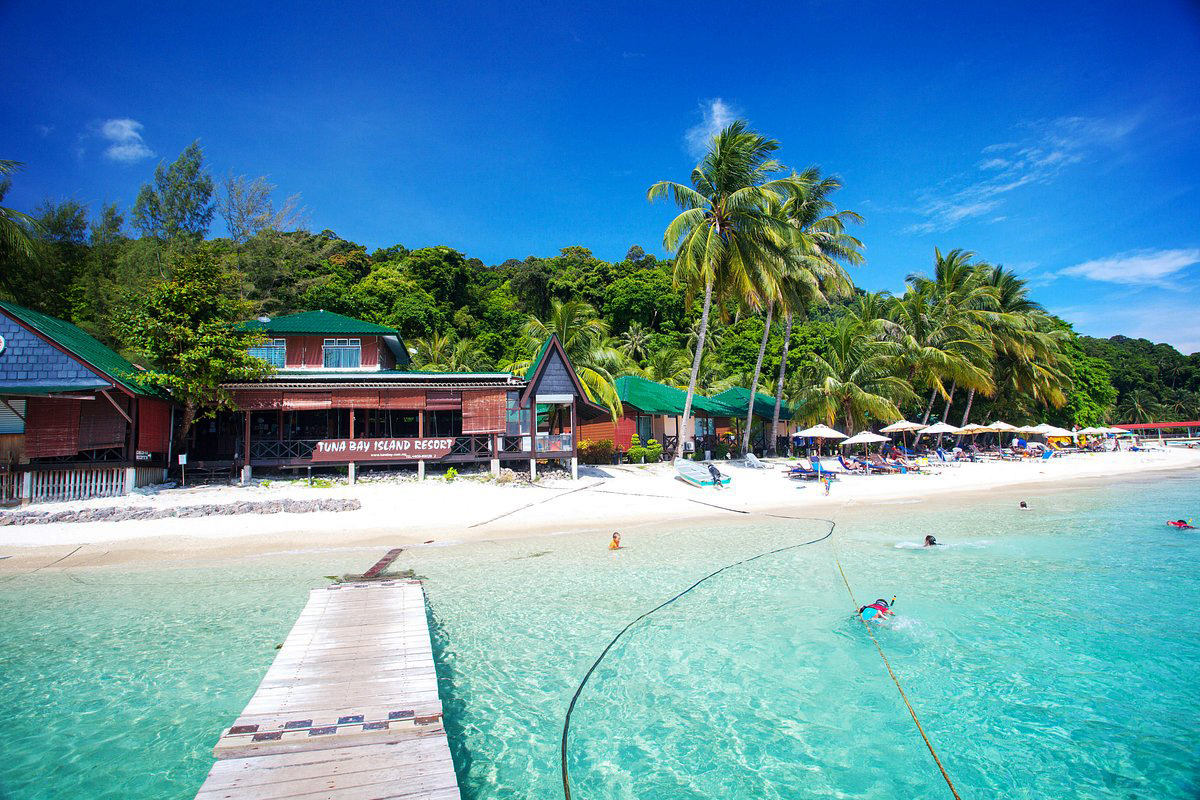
343,450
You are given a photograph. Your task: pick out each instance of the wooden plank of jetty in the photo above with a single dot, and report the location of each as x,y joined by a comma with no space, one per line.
349,709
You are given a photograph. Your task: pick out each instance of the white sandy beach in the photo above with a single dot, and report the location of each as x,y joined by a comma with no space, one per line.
604,498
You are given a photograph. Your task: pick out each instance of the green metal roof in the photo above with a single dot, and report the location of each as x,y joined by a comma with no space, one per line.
84,346
317,323
657,398
537,360
738,399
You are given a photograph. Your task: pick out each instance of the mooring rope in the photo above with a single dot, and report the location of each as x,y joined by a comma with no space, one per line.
566,777
10,578
912,711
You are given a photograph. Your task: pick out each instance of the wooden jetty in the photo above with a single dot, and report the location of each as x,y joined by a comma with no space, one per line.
349,710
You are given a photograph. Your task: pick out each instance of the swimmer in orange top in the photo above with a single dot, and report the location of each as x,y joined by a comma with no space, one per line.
615,544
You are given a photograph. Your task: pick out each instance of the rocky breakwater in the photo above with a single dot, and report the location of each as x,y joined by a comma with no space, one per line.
121,514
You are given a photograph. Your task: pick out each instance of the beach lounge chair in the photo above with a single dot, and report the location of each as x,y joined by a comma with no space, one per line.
853,467
753,462
879,465
802,471
827,466
945,459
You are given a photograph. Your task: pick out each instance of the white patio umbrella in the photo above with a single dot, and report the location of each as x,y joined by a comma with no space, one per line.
1119,431
902,426
940,427
972,429
1002,427
1026,429
1091,432
866,437
1051,430
820,433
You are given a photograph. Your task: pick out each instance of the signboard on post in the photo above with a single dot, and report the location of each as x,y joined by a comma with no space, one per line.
346,450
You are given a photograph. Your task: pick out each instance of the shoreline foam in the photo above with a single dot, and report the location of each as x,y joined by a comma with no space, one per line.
606,498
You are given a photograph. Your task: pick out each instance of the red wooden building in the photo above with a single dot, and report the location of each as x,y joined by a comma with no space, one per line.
73,421
341,395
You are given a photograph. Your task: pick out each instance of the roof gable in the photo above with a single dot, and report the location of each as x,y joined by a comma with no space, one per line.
80,346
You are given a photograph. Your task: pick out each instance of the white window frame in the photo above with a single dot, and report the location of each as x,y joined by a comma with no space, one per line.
280,344
340,345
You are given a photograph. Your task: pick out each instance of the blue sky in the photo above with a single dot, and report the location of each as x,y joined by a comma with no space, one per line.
1059,139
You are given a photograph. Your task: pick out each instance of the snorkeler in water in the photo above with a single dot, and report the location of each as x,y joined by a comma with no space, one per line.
880,608
1024,506
931,542
1182,524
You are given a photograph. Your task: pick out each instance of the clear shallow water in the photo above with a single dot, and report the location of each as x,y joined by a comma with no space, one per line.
1049,653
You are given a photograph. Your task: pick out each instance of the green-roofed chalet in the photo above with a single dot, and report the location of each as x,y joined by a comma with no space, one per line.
328,324
737,399
30,367
655,398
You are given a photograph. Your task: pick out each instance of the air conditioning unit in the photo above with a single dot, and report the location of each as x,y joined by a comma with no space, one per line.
689,446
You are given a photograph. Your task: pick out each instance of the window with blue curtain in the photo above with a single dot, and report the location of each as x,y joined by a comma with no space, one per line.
343,353
273,351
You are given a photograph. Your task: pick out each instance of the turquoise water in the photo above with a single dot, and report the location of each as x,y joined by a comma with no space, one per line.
1049,653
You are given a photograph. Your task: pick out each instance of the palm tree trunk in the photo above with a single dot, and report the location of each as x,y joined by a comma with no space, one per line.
966,414
929,406
946,410
928,411
787,340
762,351
687,404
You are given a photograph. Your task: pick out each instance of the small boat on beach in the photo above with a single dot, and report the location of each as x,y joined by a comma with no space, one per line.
697,474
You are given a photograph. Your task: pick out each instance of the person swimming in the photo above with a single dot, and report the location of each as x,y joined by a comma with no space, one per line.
1024,506
880,608
615,544
1182,524
931,542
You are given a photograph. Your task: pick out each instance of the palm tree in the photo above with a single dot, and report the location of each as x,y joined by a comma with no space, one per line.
1028,348
669,366
14,225
943,319
818,250
635,340
728,233
443,353
854,381
1138,406
584,337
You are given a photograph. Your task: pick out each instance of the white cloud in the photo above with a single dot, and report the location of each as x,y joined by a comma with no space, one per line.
716,115
43,130
1048,148
125,140
1136,268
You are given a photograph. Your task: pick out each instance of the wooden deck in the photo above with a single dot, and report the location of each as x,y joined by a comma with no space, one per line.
349,710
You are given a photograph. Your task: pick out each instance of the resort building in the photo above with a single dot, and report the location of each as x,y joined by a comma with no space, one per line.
654,411
341,395
74,422
738,399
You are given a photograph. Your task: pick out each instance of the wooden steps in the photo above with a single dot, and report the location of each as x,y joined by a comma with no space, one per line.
349,709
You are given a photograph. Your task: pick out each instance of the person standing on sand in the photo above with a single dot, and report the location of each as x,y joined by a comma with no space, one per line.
615,544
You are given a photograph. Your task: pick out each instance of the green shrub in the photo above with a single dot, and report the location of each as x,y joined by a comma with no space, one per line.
600,452
451,474
636,453
722,450
653,451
